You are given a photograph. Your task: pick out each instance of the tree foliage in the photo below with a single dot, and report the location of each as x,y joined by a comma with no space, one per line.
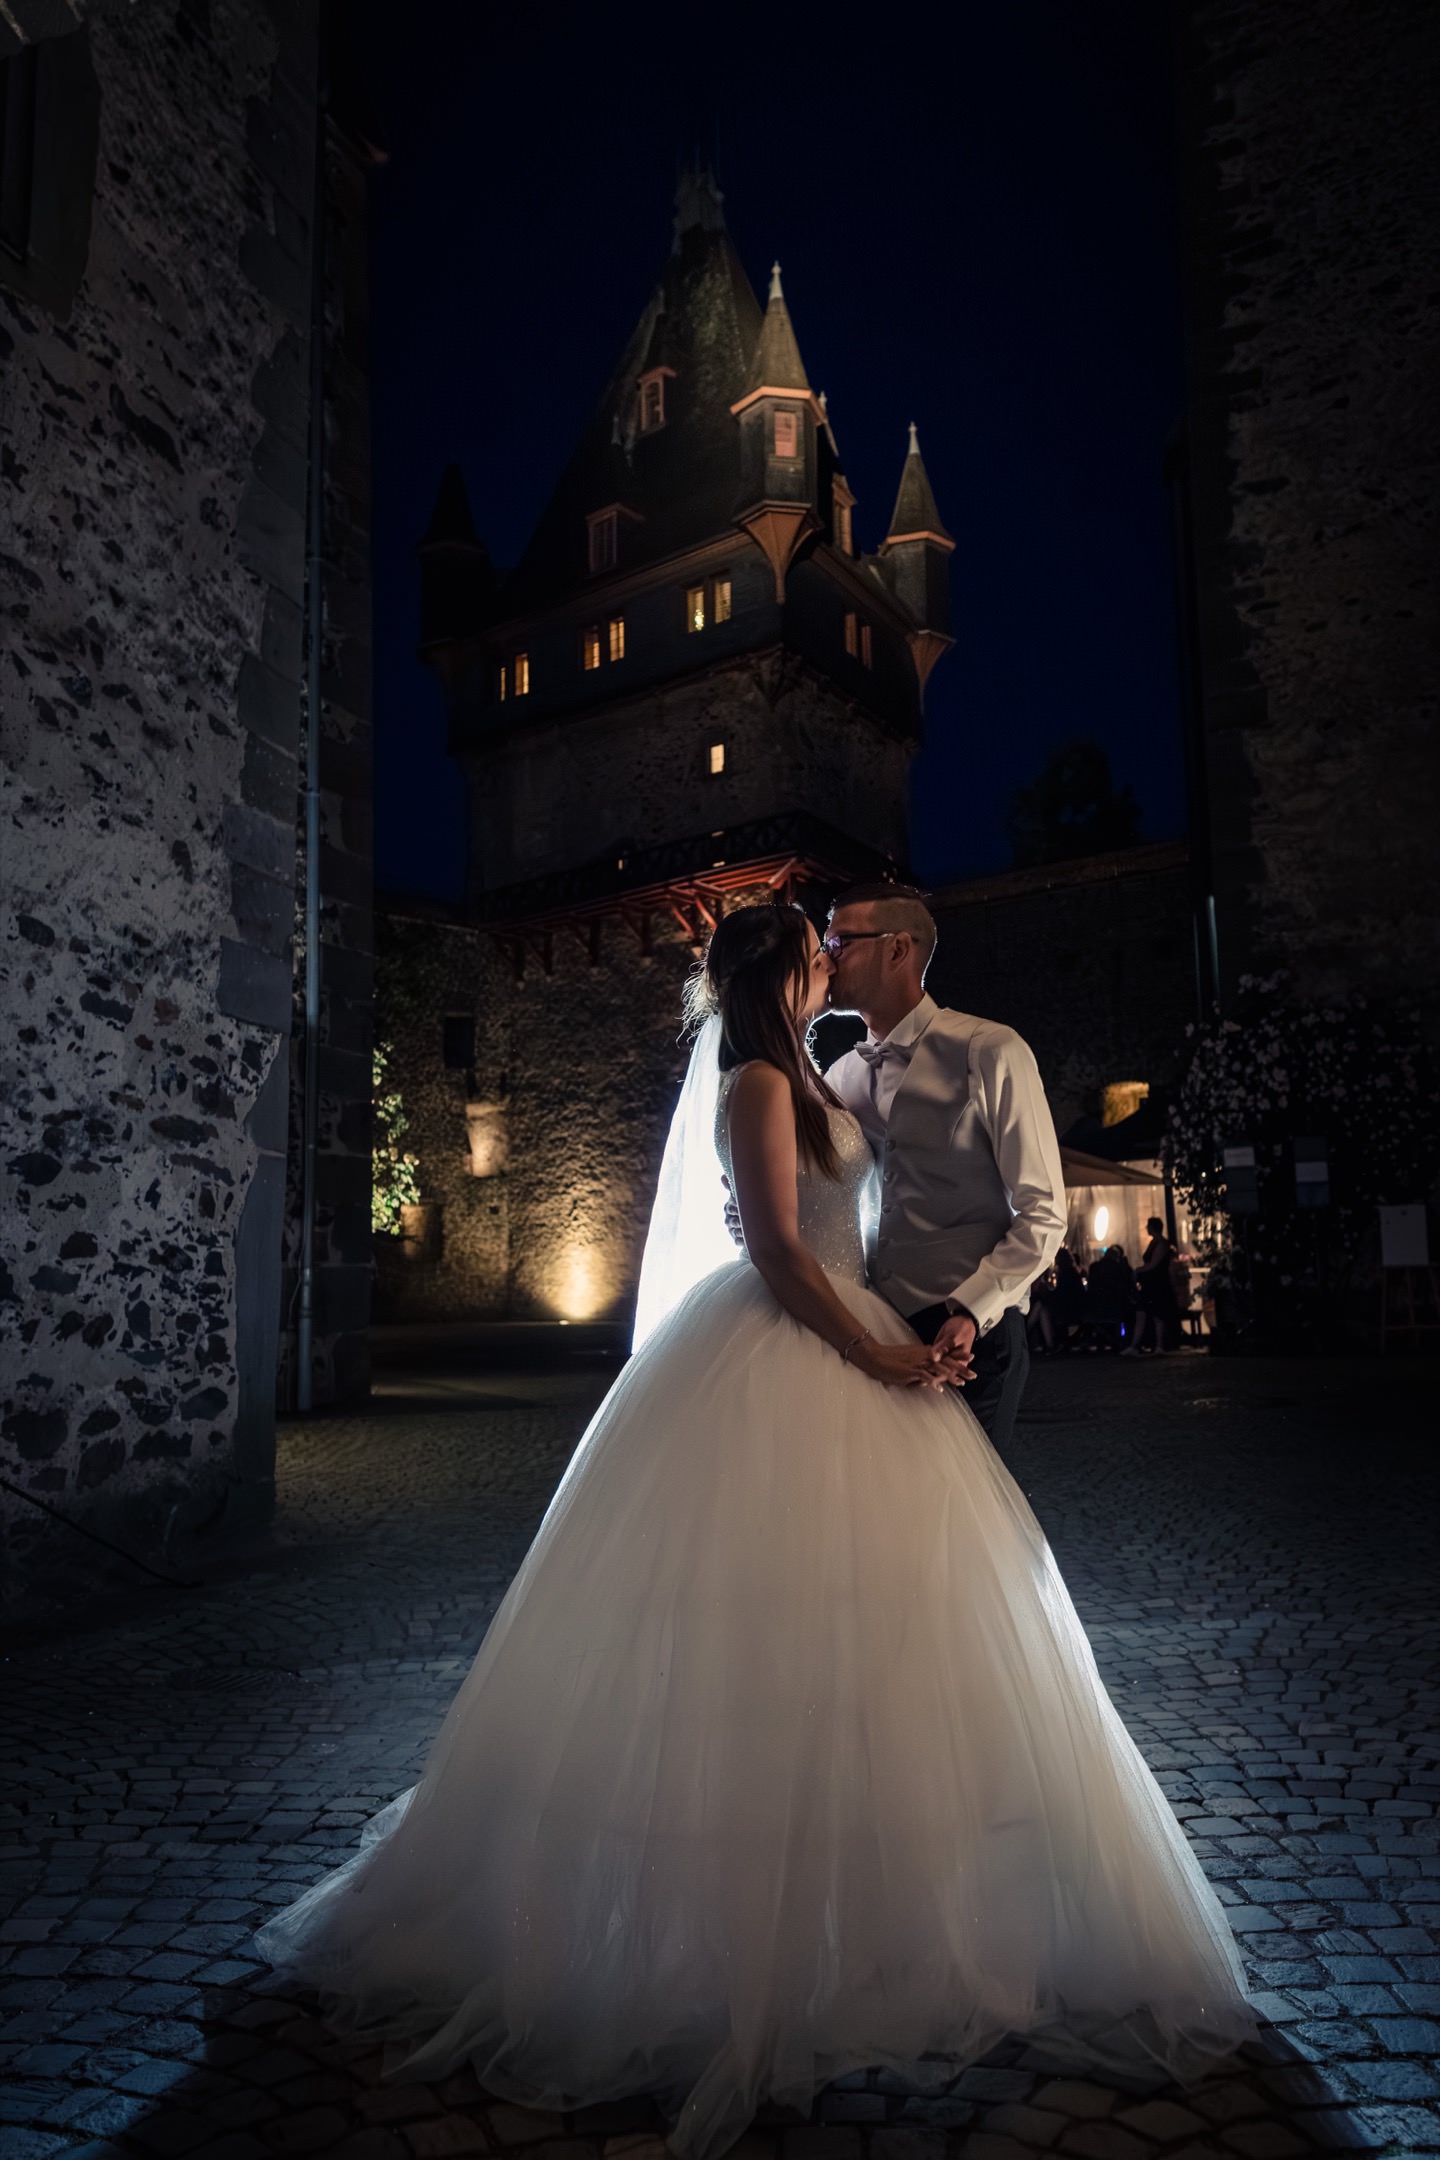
395,1181
1073,808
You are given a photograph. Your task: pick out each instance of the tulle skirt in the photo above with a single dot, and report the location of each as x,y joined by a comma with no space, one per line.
785,1756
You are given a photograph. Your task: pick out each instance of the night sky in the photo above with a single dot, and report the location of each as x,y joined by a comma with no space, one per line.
975,213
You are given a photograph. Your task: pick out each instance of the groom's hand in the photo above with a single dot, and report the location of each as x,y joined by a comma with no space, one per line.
732,1214
956,1344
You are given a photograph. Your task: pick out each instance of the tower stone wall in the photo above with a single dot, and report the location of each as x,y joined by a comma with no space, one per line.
1312,453
562,791
152,575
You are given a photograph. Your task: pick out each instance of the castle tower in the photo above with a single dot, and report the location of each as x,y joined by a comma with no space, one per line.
693,689
691,647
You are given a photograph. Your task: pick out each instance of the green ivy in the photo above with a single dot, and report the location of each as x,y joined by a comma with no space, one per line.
395,1181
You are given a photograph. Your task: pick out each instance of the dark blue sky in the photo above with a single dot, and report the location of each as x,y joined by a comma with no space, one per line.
974,210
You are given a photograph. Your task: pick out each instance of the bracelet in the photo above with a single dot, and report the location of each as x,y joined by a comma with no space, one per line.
854,1344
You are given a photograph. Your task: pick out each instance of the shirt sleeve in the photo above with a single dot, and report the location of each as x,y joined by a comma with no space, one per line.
1021,1131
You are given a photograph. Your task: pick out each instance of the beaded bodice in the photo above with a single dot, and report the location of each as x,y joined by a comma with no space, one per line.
834,1213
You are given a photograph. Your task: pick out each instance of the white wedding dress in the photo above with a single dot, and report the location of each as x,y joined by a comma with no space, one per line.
785,1756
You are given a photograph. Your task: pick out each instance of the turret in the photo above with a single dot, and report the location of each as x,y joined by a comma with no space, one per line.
916,553
779,417
457,581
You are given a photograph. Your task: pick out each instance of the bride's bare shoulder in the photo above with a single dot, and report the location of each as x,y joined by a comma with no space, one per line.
756,1084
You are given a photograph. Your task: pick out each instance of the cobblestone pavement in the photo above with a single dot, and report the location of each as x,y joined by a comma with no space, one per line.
1250,1545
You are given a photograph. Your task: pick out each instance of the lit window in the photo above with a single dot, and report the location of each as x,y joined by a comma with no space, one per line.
504,682
852,639
521,665
695,608
867,653
590,646
722,599
617,637
652,403
717,758
604,540
844,529
787,434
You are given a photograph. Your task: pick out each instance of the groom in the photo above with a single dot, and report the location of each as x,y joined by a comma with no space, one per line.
972,1201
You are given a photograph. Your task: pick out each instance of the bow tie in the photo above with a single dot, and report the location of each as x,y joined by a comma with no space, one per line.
875,1053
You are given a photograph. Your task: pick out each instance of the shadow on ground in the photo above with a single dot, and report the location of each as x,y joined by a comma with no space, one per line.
271,2079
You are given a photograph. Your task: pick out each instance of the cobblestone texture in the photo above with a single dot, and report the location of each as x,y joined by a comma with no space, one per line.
1250,1546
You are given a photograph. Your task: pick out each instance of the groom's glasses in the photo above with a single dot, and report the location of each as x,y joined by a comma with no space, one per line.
836,942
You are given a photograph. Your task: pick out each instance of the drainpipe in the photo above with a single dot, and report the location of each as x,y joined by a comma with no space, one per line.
1192,722
314,635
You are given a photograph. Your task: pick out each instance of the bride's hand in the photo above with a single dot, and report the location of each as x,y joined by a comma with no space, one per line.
911,1364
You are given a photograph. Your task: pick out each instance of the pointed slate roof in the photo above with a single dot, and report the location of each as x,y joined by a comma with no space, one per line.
678,482
915,509
776,364
451,524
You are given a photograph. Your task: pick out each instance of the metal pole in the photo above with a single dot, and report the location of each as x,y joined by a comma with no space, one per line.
314,627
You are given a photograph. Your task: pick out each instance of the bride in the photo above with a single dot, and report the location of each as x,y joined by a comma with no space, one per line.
785,1755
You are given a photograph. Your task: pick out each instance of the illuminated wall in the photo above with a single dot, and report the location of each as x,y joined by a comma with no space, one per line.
540,1156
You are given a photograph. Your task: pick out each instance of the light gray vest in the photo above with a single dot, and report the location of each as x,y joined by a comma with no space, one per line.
943,1203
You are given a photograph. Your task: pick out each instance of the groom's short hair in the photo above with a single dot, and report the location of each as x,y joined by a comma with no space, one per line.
898,907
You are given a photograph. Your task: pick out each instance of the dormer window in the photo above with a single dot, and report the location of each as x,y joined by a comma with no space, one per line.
852,633
787,434
844,527
650,400
604,527
721,590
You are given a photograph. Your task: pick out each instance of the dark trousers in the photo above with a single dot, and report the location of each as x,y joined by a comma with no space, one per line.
1002,1366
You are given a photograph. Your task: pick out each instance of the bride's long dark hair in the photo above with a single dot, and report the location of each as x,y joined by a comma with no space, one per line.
753,975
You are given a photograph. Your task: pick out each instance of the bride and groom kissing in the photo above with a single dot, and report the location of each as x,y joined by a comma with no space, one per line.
971,1206
786,1755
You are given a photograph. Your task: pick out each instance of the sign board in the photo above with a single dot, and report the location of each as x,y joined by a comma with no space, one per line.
1312,1173
1404,1237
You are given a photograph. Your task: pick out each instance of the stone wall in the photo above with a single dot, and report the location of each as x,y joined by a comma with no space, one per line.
1312,290
152,562
574,1078
556,793
576,1069
1093,962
